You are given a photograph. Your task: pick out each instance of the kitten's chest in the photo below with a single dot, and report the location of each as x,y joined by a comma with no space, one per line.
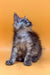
22,37
21,40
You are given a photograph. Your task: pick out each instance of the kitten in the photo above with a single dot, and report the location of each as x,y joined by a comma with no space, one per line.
26,44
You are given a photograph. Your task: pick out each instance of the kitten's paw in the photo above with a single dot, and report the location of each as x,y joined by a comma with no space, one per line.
9,62
34,59
27,62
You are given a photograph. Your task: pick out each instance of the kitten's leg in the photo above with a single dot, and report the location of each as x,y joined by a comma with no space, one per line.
13,57
36,57
28,58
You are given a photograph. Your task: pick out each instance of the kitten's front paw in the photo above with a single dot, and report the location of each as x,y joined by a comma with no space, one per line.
9,62
27,62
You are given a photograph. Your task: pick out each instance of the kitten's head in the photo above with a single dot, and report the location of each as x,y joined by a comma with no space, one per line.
21,23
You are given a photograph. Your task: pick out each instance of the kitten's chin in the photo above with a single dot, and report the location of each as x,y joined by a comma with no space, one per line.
28,29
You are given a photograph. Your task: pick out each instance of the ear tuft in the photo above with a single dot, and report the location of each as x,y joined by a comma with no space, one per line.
16,17
25,17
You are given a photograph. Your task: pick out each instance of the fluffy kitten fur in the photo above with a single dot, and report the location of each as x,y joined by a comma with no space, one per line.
26,44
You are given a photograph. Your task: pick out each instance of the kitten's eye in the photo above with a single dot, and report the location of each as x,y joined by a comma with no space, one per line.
25,22
22,20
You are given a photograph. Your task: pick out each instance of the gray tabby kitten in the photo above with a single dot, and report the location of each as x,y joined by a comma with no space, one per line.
26,44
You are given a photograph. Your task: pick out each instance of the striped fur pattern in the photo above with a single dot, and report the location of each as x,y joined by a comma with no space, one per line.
26,44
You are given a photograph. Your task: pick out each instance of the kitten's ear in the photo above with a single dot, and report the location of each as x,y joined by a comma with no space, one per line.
25,17
16,17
